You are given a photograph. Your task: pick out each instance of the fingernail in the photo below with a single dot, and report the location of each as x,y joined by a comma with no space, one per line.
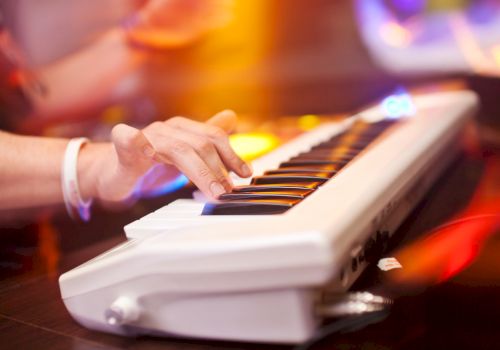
216,189
246,169
228,185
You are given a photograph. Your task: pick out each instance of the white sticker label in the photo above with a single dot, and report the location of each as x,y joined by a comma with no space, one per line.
387,264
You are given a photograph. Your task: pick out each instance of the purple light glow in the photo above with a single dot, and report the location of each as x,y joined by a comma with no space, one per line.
409,7
483,11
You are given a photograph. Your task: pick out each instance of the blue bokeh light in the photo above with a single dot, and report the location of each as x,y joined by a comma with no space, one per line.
169,187
398,105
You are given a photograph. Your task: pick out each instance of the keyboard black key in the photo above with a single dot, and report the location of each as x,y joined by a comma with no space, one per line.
373,129
357,146
332,152
356,138
312,162
324,155
371,133
319,168
330,157
383,124
303,170
249,207
306,187
290,194
292,177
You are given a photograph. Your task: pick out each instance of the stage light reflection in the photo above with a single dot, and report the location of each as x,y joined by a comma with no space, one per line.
308,122
451,248
252,145
445,252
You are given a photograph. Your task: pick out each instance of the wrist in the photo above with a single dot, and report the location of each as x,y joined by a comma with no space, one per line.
89,168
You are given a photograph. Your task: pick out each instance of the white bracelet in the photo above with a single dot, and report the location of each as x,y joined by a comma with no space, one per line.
75,205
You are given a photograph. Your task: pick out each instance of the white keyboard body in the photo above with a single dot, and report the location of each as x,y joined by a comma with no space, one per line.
256,278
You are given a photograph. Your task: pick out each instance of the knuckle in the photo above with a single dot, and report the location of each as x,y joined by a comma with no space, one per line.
221,177
233,158
205,173
217,133
154,126
204,146
174,121
124,134
177,147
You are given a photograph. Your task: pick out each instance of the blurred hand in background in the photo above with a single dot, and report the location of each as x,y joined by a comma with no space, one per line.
108,70
171,23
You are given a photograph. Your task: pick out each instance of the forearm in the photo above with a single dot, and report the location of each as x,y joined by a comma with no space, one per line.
89,78
30,174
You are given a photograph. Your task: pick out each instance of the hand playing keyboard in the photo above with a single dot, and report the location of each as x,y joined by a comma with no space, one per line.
124,169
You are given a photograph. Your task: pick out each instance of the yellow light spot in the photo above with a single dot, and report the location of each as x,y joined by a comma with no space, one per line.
395,35
226,60
495,52
252,145
113,115
308,121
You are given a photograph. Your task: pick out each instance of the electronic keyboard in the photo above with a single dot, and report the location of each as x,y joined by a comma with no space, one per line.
254,265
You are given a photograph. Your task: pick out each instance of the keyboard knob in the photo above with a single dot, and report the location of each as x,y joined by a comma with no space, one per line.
123,311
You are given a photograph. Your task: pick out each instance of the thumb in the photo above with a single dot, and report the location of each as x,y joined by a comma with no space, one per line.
226,120
132,146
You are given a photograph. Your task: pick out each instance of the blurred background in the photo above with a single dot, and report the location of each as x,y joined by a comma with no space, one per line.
265,58
262,58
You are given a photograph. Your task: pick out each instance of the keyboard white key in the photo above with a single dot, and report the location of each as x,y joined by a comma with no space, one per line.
182,205
176,215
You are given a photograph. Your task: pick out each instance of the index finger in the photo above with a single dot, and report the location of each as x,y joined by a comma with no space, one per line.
217,135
